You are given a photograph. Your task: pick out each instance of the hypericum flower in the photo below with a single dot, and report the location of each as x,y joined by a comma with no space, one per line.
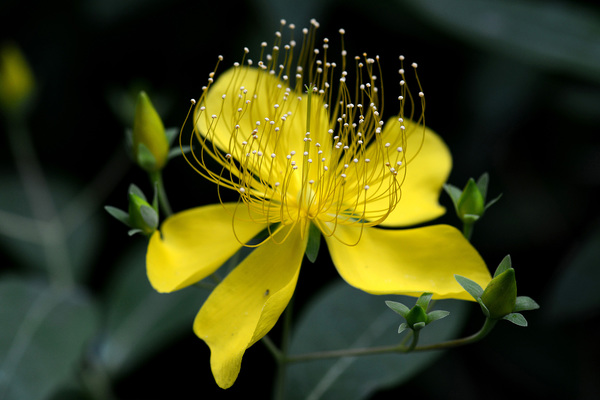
300,146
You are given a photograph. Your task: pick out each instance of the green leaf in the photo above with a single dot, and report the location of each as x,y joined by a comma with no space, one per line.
471,287
492,202
454,193
145,158
140,321
45,331
66,246
504,265
134,189
574,292
525,303
482,184
437,315
118,214
558,36
516,319
403,326
424,300
344,317
314,242
398,307
171,134
150,216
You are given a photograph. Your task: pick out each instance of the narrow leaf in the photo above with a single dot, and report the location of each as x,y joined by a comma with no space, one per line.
471,287
504,265
118,214
525,303
453,192
436,315
398,307
517,319
314,242
482,184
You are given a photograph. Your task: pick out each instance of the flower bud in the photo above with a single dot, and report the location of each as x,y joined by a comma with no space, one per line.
150,144
500,295
417,318
16,79
471,203
142,216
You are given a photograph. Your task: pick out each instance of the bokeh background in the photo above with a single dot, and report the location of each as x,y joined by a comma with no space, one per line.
512,86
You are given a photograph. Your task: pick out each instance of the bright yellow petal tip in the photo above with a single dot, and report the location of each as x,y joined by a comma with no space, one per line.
248,303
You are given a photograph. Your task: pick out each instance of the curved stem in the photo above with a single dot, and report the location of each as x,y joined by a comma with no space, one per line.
163,201
468,230
401,348
281,356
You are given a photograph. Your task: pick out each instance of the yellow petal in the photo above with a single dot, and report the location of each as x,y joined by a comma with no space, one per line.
408,261
244,102
246,305
194,243
428,166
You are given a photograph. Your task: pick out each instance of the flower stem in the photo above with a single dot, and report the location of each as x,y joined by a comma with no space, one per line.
468,230
282,357
401,348
163,201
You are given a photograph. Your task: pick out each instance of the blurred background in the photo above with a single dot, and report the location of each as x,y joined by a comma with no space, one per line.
512,86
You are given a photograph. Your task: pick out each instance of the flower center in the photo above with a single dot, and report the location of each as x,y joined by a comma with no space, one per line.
307,147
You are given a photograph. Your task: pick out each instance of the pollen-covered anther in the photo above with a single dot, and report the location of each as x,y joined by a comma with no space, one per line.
193,101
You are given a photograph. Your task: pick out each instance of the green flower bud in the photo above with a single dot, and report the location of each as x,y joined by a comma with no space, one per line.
16,79
150,144
142,216
417,318
471,203
500,295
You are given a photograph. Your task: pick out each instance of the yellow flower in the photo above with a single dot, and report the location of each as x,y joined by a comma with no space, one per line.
295,158
16,79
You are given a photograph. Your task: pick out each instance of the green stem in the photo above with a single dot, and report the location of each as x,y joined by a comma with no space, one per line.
468,230
163,201
282,357
401,348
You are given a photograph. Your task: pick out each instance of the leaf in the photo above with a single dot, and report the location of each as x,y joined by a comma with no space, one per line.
516,319
314,242
558,36
398,307
504,265
45,331
482,184
574,292
454,193
69,241
471,287
344,317
525,303
118,214
140,321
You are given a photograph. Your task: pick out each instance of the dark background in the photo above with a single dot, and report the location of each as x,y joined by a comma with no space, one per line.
513,87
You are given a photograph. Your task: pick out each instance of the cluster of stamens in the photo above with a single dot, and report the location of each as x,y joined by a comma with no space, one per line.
306,148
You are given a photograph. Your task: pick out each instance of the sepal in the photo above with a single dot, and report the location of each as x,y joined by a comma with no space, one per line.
499,299
142,217
417,317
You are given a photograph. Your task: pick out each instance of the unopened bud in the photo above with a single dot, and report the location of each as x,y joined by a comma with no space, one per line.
150,144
